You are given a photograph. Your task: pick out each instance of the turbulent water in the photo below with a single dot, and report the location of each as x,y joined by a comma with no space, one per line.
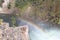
38,34
4,5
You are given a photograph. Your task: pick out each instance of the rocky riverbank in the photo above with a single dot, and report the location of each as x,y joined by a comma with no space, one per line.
13,33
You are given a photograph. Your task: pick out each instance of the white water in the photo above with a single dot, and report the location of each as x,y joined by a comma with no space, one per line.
1,9
38,34
4,5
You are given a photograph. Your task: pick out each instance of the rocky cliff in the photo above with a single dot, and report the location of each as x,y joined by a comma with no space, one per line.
13,33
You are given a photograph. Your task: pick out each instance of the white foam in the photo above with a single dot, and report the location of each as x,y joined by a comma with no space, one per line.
1,9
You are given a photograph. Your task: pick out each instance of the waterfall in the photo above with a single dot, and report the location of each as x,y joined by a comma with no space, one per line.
4,5
0,8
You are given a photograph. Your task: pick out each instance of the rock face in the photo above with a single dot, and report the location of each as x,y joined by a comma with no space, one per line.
13,33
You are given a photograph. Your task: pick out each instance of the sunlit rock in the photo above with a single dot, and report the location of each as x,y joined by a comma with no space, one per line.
13,33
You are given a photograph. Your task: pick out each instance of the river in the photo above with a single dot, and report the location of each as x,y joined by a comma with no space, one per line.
45,31
37,30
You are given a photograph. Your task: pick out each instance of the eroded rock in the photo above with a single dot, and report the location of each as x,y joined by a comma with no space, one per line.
13,33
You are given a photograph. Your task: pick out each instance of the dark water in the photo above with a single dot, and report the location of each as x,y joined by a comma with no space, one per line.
7,18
